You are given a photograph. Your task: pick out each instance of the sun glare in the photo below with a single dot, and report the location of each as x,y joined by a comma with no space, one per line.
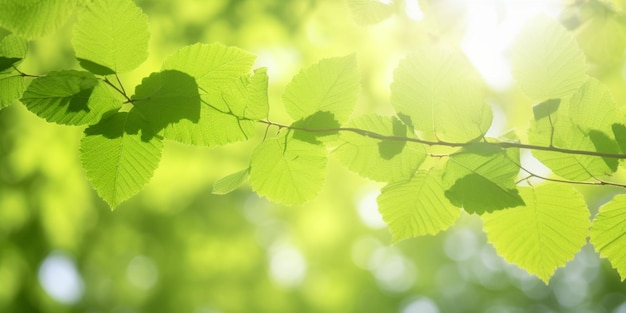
492,27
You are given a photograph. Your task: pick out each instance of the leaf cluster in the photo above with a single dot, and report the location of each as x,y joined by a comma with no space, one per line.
432,154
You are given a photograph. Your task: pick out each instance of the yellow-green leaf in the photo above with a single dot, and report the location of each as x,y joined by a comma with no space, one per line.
544,234
417,207
546,60
608,233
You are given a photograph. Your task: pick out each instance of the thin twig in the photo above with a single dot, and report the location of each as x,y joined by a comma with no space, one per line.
504,145
121,91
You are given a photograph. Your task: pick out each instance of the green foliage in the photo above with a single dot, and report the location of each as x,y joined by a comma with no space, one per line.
441,94
35,18
581,121
288,170
111,36
367,12
417,207
481,169
432,152
546,61
380,160
607,233
12,50
330,86
545,233
120,155
70,98
230,182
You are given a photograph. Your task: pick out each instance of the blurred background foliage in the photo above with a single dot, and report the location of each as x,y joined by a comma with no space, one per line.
177,248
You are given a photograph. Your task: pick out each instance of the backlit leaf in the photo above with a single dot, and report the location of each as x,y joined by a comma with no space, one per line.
546,60
167,98
607,233
582,121
332,86
11,87
229,183
370,11
602,34
544,234
417,207
35,18
211,64
229,95
288,170
481,178
380,160
70,97
111,36
119,155
12,50
442,94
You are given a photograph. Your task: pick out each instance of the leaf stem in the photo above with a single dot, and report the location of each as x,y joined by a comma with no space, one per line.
121,91
598,181
24,74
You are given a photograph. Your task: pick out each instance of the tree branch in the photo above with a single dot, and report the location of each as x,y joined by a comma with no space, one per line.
504,145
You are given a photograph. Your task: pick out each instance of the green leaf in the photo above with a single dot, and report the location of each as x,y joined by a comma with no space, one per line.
120,155
332,85
380,160
70,98
35,18
230,183
602,35
166,99
417,207
607,233
246,97
544,234
111,36
230,96
582,121
546,60
211,64
442,94
367,12
12,50
287,170
481,178
11,87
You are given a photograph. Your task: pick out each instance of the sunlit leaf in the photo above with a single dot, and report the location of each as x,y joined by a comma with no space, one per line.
119,155
602,34
111,36
167,98
332,86
544,234
442,94
246,97
288,170
11,87
230,183
546,60
380,160
35,18
70,97
582,121
481,178
370,11
12,50
417,207
211,64
607,233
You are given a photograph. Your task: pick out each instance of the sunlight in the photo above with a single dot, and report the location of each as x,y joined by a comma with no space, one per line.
491,29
